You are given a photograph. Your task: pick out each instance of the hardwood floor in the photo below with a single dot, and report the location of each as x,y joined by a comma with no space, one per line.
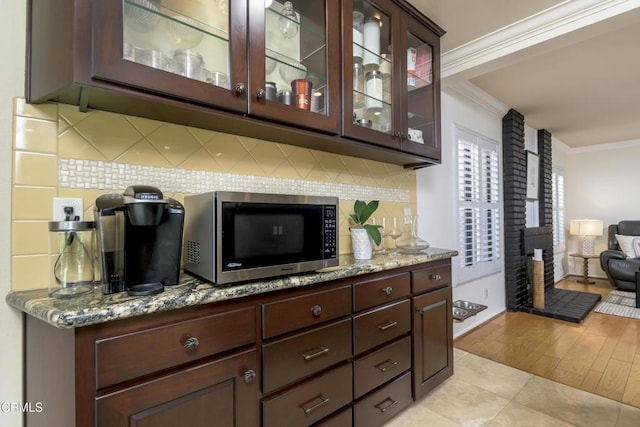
601,355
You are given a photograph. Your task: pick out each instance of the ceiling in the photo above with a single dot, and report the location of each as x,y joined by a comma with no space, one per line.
580,81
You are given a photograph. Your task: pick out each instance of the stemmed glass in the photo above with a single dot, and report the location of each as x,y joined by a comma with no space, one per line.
379,249
393,228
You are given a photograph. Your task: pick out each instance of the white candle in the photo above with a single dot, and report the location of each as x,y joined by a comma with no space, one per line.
537,254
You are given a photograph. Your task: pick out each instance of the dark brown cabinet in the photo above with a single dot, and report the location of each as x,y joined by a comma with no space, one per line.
432,333
391,77
277,73
353,352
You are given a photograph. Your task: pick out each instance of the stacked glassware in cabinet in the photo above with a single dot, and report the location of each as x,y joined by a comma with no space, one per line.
372,70
189,38
296,54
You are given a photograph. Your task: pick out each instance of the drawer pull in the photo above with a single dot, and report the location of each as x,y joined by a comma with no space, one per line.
321,351
386,365
249,376
191,344
387,325
436,277
321,401
316,310
388,290
386,404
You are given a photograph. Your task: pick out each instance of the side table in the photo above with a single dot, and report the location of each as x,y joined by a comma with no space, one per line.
585,268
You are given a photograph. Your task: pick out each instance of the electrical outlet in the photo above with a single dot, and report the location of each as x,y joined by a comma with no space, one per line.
407,212
59,205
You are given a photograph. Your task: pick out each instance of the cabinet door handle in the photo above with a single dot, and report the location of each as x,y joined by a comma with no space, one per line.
191,344
387,325
310,356
386,365
240,89
321,400
436,277
316,310
261,93
388,290
386,404
249,376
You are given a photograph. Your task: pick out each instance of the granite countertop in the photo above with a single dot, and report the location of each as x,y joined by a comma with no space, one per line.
93,308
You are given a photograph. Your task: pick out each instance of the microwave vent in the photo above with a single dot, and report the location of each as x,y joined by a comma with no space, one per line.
193,252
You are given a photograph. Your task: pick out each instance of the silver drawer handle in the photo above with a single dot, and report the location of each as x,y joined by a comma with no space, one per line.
191,344
388,290
322,401
316,310
321,351
386,404
386,365
387,326
436,277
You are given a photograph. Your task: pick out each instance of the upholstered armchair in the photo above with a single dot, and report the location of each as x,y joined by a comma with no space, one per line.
620,262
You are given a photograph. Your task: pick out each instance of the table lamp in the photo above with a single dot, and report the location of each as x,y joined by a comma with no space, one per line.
587,230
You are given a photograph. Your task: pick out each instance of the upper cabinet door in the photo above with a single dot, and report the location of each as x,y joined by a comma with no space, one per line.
371,94
187,49
421,88
294,62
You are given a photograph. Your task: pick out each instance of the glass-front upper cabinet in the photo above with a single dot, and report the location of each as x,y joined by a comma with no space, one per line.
293,62
389,77
421,106
182,48
370,94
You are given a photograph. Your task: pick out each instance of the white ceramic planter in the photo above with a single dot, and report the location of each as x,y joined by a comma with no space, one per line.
361,244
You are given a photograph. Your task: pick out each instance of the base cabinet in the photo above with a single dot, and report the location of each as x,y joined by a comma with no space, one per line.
354,352
223,390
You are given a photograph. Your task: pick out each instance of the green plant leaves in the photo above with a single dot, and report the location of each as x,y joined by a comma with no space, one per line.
363,211
374,232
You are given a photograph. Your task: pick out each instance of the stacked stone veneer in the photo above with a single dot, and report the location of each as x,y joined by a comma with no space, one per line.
515,188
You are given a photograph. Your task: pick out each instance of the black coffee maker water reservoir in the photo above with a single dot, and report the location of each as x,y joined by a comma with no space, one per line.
140,240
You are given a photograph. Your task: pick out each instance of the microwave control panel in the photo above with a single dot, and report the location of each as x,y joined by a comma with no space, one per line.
330,232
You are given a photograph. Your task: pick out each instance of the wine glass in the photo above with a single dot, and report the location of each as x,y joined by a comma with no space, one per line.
393,228
379,249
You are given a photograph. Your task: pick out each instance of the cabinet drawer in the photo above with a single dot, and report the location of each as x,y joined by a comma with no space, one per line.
294,313
290,359
380,291
310,401
382,405
380,366
343,418
140,353
431,278
376,327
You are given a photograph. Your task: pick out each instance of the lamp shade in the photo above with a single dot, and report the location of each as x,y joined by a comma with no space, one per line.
585,227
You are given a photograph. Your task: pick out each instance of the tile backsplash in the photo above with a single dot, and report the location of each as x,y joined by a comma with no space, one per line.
59,151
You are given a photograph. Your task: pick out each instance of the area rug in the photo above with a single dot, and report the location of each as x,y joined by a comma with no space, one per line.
619,303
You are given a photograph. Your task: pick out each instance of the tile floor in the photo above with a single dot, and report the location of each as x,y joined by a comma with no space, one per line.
485,393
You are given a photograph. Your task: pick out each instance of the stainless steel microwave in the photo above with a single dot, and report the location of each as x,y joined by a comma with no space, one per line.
235,237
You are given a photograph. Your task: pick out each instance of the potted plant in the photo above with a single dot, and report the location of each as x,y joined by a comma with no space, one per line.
361,232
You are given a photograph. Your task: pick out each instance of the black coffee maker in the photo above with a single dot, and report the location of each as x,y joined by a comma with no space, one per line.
139,239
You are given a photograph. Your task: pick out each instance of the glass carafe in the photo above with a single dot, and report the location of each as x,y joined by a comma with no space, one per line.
71,258
411,242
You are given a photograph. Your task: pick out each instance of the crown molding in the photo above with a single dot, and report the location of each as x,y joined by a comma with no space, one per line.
546,25
632,143
468,91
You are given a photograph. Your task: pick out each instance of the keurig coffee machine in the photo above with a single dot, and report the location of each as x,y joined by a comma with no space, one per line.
140,239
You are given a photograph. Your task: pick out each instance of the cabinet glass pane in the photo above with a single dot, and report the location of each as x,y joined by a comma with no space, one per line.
296,54
185,37
371,67
420,114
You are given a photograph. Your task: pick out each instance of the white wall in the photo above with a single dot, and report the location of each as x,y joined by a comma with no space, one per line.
601,183
436,203
12,46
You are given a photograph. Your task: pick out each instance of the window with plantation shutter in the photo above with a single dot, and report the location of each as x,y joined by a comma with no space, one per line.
478,206
557,194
